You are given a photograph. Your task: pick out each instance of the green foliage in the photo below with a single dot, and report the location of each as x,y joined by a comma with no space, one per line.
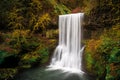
29,48
40,55
89,5
3,54
27,15
51,33
16,19
43,21
20,21
105,14
89,61
44,53
72,4
106,52
23,17
115,55
29,58
59,8
20,35
110,50
30,14
33,15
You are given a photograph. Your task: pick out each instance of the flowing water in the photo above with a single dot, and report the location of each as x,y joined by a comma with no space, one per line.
68,53
66,62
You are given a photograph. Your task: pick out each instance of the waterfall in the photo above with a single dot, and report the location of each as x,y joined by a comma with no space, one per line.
68,53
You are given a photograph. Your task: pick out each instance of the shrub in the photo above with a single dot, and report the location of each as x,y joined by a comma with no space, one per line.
104,51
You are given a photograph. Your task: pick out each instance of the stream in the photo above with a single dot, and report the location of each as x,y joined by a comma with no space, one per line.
44,74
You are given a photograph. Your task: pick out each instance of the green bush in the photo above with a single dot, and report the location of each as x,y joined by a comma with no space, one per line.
104,51
44,55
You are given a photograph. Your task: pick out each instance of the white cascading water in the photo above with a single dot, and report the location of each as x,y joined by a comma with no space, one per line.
68,54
